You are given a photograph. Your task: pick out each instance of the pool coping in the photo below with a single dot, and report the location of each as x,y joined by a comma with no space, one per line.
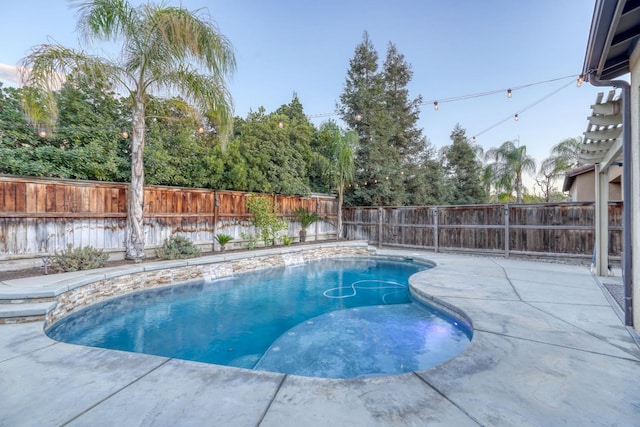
547,349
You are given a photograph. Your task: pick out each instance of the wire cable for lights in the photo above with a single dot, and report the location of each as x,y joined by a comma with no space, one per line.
473,95
528,107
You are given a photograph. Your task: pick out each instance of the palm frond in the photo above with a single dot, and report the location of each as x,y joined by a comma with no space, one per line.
44,71
105,19
191,36
207,92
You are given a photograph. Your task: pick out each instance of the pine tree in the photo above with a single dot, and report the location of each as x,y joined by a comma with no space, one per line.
464,171
361,104
392,153
420,175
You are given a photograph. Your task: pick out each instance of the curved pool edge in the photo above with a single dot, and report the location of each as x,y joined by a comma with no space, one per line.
77,291
54,383
172,273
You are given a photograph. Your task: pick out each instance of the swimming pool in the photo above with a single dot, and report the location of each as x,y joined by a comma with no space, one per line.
341,318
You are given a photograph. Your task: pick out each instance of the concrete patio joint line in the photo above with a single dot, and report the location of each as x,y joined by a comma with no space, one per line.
596,336
506,275
273,398
164,362
29,352
632,358
461,409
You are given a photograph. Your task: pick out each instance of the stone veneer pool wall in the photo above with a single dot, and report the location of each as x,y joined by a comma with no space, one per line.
209,268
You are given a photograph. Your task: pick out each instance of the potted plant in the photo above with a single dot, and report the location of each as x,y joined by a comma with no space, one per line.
222,240
306,218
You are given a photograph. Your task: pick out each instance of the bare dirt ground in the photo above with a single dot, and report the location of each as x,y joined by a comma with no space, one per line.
39,271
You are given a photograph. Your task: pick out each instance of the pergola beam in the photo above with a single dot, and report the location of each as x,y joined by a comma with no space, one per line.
603,120
614,154
603,134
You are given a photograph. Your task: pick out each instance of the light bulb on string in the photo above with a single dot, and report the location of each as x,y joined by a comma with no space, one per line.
516,117
580,80
509,93
435,105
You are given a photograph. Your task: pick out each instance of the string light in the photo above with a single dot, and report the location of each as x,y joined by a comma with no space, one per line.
528,107
509,93
42,133
469,96
580,80
280,124
516,117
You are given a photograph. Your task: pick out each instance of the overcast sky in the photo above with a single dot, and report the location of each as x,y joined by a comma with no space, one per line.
455,47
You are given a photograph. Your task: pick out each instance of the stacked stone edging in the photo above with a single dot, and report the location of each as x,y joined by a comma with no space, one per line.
101,290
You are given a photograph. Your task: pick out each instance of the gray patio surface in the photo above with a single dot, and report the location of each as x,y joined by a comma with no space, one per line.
548,349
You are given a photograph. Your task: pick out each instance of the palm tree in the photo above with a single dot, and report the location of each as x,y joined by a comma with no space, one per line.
162,50
336,160
343,170
510,161
566,154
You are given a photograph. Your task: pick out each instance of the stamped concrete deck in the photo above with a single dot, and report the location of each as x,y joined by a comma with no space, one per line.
548,349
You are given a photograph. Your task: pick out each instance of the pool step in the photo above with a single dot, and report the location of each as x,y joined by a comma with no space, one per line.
24,311
25,305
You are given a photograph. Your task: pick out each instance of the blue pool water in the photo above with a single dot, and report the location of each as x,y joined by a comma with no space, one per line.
341,318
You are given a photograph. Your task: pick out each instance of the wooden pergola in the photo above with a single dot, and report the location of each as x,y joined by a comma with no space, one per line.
602,146
612,59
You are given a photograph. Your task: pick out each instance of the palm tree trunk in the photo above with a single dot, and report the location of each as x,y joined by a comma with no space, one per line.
135,201
339,222
518,187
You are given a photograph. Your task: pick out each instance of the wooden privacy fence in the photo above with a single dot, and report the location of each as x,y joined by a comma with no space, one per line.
565,230
40,216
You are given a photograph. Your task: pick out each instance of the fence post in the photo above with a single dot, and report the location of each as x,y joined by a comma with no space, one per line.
379,228
317,223
435,229
506,230
216,203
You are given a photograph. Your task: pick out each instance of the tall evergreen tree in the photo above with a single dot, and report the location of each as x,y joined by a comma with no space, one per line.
392,157
419,174
362,109
463,171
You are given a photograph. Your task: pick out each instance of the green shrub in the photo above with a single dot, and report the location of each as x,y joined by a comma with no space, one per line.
306,217
86,258
252,239
265,218
177,247
287,240
223,239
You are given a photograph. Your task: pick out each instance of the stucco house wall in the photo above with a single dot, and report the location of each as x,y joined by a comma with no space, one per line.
634,64
583,185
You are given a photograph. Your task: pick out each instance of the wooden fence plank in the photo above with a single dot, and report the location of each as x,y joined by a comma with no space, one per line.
554,229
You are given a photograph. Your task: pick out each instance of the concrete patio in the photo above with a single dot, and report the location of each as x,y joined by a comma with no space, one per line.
548,349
